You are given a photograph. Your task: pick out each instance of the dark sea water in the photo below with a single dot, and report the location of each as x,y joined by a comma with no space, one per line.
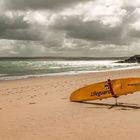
19,69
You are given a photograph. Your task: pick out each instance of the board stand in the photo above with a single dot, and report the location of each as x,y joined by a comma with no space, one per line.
116,103
112,92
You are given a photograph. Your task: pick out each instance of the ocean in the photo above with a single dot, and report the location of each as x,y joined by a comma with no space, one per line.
20,69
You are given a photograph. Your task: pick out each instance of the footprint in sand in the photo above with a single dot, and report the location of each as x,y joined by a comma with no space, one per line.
32,103
63,98
32,96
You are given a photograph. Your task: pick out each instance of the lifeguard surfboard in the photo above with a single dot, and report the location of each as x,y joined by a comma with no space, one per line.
106,89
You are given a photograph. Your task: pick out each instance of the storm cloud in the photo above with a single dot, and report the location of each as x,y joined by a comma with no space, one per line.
91,30
69,27
39,4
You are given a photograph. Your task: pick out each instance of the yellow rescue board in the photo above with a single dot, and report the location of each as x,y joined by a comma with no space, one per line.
103,90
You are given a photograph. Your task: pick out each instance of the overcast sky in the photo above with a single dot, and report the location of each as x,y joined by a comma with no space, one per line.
69,27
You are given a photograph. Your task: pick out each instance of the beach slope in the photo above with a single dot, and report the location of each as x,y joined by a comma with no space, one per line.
40,109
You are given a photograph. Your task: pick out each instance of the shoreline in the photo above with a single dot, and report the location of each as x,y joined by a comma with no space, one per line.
12,78
40,109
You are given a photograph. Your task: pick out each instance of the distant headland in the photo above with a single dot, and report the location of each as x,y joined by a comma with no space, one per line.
132,59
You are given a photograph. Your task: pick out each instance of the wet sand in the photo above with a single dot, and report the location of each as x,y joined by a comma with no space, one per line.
39,109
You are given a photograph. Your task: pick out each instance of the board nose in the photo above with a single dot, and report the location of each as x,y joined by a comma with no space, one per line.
73,97
76,96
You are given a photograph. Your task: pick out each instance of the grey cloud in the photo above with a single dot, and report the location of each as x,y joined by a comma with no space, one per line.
20,34
15,22
38,4
17,28
76,27
66,35
21,48
134,33
129,8
73,26
93,30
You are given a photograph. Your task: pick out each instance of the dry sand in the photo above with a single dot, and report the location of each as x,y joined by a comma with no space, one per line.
39,109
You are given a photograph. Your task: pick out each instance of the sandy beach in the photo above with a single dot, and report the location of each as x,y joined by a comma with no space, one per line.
39,109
